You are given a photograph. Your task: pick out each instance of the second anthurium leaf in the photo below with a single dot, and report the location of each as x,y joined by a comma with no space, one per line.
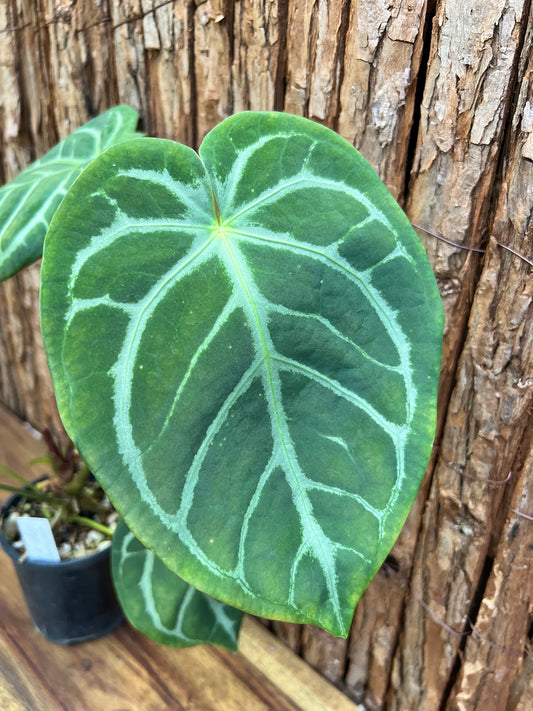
163,606
245,346
28,202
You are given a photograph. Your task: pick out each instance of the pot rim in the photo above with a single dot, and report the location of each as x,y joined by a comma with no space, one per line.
15,555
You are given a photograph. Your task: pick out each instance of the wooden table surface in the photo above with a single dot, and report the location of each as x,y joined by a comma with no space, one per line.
125,671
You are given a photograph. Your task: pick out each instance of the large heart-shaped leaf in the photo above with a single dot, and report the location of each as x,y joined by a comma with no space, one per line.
163,606
28,203
245,346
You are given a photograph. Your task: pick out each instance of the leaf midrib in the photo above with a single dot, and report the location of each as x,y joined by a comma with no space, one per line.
314,540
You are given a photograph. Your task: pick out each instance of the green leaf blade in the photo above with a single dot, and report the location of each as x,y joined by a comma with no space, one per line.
162,606
28,203
273,393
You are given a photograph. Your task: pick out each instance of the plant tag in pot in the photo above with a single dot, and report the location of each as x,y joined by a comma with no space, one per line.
38,539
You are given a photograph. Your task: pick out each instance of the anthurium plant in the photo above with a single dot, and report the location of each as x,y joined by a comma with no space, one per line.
245,344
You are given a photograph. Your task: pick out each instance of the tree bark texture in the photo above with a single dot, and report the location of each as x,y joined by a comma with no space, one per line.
438,96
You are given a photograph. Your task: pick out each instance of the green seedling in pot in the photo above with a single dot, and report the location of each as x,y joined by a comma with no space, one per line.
245,346
68,497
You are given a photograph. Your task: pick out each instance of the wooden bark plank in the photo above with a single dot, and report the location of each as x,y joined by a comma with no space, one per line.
486,420
43,71
468,91
329,22
35,91
488,672
13,151
300,35
494,653
258,55
325,653
377,624
488,417
289,632
213,23
130,58
381,63
77,56
315,42
167,43
353,67
521,695
59,66
25,386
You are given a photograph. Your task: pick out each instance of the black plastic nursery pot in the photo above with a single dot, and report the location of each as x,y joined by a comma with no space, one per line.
70,601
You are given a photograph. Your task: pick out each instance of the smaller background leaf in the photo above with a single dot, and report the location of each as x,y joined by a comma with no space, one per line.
28,203
164,607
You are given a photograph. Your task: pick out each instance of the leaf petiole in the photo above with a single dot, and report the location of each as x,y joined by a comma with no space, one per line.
84,521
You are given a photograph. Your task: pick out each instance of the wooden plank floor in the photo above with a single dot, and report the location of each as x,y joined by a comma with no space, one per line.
125,671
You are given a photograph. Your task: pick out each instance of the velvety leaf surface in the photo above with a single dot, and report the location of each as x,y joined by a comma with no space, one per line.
253,380
28,203
163,606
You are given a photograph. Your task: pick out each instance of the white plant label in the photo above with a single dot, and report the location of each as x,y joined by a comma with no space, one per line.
38,539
